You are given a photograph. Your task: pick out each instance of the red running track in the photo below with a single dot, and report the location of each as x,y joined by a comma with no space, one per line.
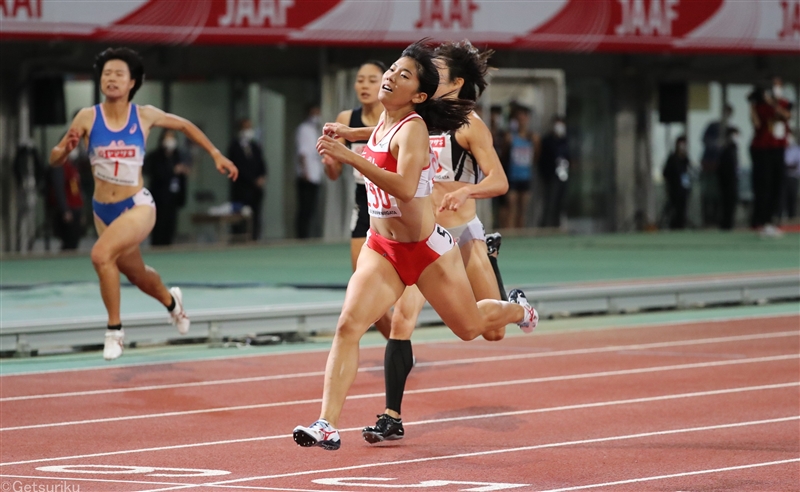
697,406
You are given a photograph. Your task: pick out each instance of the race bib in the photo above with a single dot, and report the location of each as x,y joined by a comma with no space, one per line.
381,204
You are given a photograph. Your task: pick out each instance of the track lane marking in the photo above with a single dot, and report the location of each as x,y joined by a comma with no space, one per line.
435,421
491,452
674,475
564,331
472,360
568,489
495,384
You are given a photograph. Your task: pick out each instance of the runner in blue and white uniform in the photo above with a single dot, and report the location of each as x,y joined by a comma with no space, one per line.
124,211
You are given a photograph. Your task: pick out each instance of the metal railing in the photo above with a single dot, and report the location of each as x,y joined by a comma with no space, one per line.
25,336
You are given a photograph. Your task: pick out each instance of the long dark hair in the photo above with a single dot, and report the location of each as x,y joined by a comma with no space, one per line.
440,115
467,62
130,57
377,63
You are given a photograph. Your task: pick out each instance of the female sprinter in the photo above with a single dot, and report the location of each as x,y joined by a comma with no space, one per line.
124,211
367,85
405,246
469,168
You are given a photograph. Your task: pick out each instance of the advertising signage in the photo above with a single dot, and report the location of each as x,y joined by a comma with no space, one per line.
710,26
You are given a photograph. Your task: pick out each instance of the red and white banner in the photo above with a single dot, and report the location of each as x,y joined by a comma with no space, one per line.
554,25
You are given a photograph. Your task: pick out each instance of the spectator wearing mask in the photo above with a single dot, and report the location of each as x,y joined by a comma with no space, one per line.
784,138
554,172
247,155
167,169
714,141
66,201
678,183
522,144
727,173
309,170
767,149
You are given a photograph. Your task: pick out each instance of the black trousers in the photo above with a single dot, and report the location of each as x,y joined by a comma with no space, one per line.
166,224
553,192
767,183
678,199
69,232
728,198
307,196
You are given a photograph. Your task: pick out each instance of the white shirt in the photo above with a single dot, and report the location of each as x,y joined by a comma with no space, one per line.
306,144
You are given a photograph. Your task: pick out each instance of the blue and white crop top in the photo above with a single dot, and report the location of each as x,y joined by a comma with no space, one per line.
117,156
455,163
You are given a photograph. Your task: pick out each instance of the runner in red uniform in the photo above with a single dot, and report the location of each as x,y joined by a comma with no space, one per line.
405,245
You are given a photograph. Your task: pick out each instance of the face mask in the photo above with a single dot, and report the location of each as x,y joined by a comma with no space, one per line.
560,129
777,91
316,120
170,144
74,153
247,134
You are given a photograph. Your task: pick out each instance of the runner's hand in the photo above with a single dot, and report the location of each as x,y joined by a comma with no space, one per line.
454,200
225,166
333,150
338,130
73,138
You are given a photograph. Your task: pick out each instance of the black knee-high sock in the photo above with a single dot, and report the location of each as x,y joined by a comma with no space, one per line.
496,269
397,363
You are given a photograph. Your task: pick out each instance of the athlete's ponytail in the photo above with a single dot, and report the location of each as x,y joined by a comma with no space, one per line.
440,114
468,63
445,115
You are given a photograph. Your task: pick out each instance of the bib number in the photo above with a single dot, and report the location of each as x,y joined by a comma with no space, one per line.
445,235
382,200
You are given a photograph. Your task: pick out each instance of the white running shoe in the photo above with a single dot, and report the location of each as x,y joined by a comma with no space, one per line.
113,345
531,318
320,433
178,316
771,231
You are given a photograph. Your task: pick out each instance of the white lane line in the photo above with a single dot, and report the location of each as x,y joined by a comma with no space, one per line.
253,379
497,451
566,331
473,360
435,421
675,475
176,484
495,384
